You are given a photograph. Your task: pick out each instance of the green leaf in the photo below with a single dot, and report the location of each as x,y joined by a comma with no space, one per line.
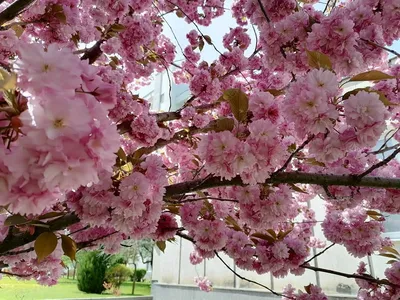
283,234
161,245
127,167
201,44
208,39
373,213
297,189
388,255
272,233
45,245
16,220
50,215
275,92
174,208
75,38
373,75
121,154
382,96
239,103
179,13
391,250
319,60
392,261
231,221
69,247
383,99
314,162
307,288
354,92
8,81
57,11
223,124
18,29
117,27
265,237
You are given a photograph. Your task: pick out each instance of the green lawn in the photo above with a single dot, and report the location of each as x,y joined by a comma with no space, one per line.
13,289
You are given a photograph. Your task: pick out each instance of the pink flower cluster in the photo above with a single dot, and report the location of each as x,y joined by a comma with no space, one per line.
310,103
312,293
352,229
203,283
68,139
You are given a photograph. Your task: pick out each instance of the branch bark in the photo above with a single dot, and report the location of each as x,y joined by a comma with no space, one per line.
93,53
14,10
380,164
15,241
355,276
251,281
286,177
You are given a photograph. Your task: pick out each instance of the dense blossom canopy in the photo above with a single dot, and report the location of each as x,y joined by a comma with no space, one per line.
85,160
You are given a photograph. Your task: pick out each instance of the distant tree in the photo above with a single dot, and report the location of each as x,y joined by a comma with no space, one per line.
92,271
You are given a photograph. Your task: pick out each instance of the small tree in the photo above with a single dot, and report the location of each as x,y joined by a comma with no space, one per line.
118,274
91,271
139,274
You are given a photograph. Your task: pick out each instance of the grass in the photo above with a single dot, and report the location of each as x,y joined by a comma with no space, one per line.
13,289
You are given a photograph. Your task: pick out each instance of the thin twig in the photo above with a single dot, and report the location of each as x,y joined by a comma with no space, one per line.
251,281
263,11
197,27
16,275
328,193
382,47
203,198
301,147
318,254
89,243
385,149
348,275
256,37
173,33
78,230
14,10
380,164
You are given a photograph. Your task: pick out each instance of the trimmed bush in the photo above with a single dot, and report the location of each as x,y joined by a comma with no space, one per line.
118,274
139,275
91,271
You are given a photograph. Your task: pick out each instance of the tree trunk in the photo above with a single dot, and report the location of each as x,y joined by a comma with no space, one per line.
134,279
73,273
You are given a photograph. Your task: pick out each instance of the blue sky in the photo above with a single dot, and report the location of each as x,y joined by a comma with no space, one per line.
216,31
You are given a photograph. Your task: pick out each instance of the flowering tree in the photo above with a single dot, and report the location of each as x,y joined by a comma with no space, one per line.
85,162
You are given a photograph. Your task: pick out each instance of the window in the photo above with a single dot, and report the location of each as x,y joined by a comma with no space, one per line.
163,103
392,223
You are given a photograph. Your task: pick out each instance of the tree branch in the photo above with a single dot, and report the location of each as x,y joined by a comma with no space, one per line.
89,243
301,147
355,276
13,274
14,10
318,254
93,53
249,280
382,47
15,241
380,164
285,177
263,11
202,198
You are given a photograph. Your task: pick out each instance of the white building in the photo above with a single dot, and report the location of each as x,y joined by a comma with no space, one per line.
173,275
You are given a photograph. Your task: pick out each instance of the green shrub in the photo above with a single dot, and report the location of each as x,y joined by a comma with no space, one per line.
118,274
92,268
139,275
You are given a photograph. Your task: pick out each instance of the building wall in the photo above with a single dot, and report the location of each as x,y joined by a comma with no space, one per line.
173,274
